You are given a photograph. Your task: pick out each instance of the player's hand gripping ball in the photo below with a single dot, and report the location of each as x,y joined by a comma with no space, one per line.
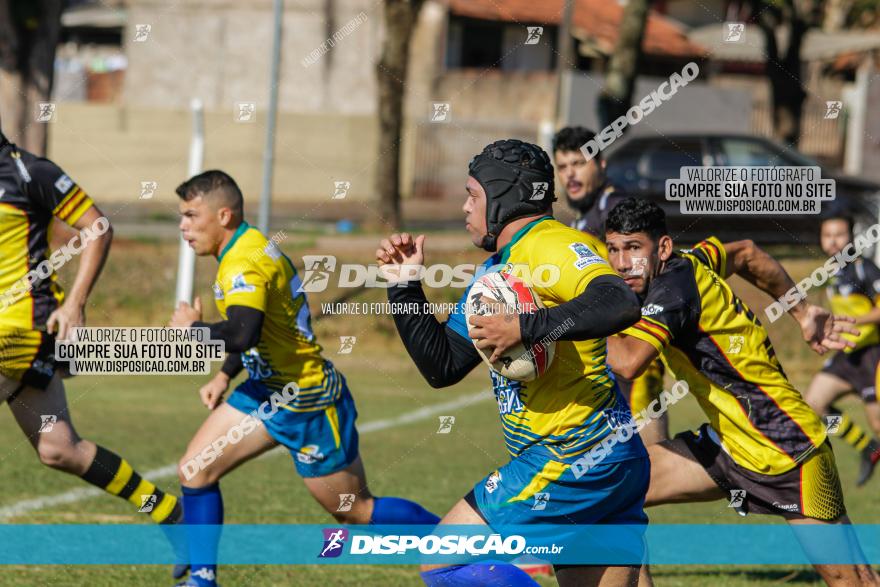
498,292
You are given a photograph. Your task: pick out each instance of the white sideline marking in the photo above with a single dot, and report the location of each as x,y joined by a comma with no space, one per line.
80,494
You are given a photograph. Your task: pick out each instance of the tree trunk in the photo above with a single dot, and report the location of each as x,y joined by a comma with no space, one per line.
784,70
400,18
620,80
29,33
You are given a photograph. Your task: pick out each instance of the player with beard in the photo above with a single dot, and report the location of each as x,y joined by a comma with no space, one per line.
591,196
762,442
587,189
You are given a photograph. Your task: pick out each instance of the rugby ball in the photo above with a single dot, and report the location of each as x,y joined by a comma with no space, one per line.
498,292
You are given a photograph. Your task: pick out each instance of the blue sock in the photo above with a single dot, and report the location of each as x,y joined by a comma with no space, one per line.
203,506
478,575
394,510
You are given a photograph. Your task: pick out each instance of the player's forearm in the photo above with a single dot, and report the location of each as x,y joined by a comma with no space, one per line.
92,260
872,317
757,267
240,331
442,356
606,307
232,366
625,357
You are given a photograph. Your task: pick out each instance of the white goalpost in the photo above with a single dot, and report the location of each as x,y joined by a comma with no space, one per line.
186,259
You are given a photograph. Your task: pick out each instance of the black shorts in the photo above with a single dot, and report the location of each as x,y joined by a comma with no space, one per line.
858,368
810,490
27,357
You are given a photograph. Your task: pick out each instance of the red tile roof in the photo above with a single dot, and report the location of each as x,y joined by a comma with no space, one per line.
598,20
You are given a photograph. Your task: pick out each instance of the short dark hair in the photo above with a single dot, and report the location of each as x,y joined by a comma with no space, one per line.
572,138
214,184
634,215
846,217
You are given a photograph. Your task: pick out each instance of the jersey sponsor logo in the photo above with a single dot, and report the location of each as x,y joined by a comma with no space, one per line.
508,401
618,417
63,184
585,255
790,507
493,481
310,454
218,291
256,366
651,309
240,285
506,394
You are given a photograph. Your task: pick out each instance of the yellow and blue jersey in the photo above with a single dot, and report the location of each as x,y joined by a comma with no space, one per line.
254,273
576,403
709,337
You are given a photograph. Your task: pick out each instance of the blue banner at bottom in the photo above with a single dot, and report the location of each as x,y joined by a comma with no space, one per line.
656,544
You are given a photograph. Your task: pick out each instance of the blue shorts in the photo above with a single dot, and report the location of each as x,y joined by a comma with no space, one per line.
321,442
531,489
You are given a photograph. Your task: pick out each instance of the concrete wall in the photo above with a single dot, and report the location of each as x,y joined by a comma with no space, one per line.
111,149
219,51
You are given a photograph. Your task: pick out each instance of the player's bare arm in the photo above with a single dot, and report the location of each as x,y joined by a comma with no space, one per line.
71,313
821,329
213,391
629,356
872,317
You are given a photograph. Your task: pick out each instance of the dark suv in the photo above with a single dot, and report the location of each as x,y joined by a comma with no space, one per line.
640,165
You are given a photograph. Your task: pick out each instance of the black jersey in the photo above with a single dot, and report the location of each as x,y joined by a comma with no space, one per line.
593,220
32,191
709,337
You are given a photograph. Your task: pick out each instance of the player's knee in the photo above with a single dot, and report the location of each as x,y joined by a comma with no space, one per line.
59,455
193,473
351,517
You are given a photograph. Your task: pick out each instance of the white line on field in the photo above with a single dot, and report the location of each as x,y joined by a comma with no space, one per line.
80,494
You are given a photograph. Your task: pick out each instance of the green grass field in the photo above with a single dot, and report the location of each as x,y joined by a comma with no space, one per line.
150,419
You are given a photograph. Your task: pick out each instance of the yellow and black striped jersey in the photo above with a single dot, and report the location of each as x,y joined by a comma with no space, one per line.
32,191
254,273
854,291
710,338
